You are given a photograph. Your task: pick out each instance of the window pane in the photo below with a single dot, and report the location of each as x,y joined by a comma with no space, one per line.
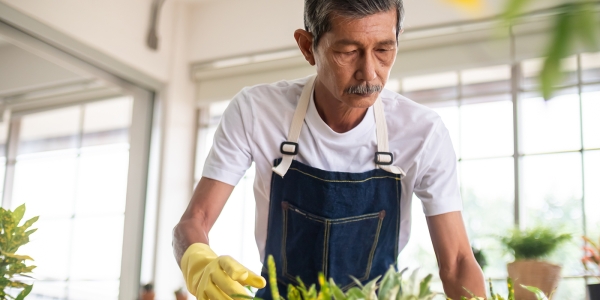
46,290
590,67
3,138
450,117
51,130
551,195
46,183
419,252
233,233
532,67
50,247
96,252
102,180
485,80
107,122
550,126
431,88
571,288
591,120
488,197
592,192
103,290
487,129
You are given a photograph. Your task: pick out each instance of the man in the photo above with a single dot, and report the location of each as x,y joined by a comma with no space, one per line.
337,161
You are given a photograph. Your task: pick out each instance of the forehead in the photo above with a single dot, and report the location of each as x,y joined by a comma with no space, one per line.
372,27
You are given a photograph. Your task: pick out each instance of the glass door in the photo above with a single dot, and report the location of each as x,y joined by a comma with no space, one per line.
70,167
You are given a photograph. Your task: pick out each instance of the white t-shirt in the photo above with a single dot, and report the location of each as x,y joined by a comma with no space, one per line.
258,120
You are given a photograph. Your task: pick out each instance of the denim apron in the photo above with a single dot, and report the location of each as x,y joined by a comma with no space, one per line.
340,224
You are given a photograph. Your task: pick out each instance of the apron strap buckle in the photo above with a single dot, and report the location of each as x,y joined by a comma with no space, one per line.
289,148
384,158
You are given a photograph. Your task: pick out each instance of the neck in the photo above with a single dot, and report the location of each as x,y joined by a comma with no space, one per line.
335,113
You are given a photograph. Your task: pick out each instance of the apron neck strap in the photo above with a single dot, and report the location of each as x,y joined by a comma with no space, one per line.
289,148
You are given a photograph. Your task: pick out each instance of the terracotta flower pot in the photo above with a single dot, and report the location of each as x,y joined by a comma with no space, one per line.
594,291
542,275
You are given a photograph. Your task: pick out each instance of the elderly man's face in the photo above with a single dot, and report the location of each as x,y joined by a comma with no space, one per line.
355,54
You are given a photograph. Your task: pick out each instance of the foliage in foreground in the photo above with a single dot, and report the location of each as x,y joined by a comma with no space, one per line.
13,236
393,286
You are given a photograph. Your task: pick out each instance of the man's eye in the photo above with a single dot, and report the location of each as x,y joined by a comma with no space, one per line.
349,52
384,50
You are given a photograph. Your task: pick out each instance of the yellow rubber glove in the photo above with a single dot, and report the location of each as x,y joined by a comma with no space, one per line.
212,277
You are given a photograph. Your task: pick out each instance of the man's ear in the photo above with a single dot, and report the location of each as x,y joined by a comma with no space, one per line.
305,42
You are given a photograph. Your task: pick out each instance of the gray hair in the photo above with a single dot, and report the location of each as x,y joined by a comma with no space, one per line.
317,13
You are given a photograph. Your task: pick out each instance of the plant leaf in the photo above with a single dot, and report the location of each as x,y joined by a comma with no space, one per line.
513,8
538,293
24,292
558,49
338,294
273,277
424,287
21,257
587,25
18,213
511,289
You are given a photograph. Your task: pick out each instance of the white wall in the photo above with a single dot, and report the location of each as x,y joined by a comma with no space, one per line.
228,28
115,27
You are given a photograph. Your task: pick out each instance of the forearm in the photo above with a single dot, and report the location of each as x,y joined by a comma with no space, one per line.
465,275
202,212
188,231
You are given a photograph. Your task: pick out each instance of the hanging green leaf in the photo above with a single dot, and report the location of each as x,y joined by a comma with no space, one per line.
587,25
559,48
513,9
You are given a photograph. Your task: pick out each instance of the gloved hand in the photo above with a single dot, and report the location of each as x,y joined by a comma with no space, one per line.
212,277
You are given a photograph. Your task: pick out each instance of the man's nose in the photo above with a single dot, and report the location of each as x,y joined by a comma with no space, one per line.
366,68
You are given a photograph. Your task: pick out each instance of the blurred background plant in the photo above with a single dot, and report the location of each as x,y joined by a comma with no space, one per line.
591,256
533,244
575,22
479,257
12,265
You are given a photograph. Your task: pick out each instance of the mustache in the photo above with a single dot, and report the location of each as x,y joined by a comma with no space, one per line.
364,89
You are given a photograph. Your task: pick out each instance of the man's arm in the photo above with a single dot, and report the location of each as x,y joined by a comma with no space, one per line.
458,267
203,210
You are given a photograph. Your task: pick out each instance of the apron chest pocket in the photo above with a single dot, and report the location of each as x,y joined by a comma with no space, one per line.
339,248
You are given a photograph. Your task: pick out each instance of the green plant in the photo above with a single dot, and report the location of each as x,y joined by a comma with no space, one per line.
393,286
534,243
12,265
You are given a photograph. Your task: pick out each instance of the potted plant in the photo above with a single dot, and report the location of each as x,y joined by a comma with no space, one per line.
591,262
529,248
12,265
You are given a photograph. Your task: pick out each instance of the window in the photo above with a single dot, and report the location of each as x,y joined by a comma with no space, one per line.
543,164
70,168
557,161
237,217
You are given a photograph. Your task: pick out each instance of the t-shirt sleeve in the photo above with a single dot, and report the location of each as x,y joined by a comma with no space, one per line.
437,180
231,155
